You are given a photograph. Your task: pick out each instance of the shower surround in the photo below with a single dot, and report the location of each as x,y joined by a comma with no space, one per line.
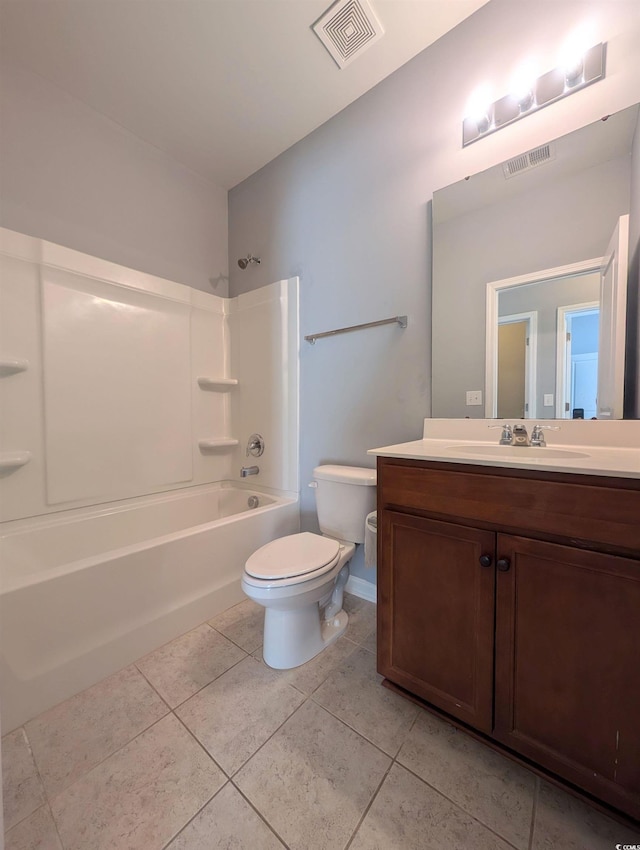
127,403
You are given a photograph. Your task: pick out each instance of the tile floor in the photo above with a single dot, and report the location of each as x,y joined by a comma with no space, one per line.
199,745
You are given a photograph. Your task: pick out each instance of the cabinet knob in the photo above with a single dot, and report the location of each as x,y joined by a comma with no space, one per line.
485,560
503,564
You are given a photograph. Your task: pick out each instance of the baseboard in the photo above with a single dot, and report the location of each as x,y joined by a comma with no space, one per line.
364,589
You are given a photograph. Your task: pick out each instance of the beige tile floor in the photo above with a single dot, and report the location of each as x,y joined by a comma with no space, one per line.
199,746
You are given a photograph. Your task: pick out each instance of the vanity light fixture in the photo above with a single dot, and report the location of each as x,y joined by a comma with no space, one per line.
576,73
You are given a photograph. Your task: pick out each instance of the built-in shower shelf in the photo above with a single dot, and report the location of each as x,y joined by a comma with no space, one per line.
11,365
217,383
14,460
219,443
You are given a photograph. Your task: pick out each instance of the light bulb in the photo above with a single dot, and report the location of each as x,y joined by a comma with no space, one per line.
522,85
479,108
571,56
573,70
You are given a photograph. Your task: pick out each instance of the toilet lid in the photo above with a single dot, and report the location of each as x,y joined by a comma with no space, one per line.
294,555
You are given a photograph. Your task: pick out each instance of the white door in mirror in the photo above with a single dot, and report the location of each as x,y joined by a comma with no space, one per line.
613,306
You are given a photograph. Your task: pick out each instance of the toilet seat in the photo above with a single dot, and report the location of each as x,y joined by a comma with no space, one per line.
292,559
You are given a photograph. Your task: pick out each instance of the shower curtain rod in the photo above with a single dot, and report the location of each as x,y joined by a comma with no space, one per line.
400,320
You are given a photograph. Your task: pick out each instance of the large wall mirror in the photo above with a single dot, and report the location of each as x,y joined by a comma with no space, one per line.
529,280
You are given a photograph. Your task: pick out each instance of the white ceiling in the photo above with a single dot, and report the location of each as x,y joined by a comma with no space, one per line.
223,86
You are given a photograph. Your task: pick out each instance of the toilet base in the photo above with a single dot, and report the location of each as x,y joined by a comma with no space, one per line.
292,638
333,628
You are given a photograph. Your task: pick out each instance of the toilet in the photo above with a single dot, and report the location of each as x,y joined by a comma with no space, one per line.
299,579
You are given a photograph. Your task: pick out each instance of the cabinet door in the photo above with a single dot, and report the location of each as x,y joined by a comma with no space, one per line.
567,654
436,613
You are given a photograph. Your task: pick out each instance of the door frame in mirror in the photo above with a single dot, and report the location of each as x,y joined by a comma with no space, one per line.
491,313
614,273
563,383
531,359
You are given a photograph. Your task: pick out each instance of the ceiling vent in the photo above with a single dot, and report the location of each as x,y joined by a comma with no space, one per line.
347,29
527,161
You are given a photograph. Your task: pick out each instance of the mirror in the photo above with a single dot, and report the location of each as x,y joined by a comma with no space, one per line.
517,256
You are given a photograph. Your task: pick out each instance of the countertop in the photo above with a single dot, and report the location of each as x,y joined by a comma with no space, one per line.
571,456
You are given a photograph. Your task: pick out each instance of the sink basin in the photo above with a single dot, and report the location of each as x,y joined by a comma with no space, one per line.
516,452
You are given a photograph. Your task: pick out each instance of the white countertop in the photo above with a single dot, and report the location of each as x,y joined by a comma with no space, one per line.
457,441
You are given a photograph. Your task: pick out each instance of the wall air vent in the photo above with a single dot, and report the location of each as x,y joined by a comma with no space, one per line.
527,161
347,29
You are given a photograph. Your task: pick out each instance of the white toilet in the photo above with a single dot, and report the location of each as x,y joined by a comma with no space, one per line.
300,579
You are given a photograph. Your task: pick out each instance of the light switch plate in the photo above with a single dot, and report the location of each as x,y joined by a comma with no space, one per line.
474,397
548,400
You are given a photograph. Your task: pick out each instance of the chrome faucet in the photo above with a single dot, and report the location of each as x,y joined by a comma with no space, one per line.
249,470
506,438
537,435
520,435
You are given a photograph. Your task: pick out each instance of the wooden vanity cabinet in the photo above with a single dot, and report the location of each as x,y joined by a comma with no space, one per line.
438,644
510,600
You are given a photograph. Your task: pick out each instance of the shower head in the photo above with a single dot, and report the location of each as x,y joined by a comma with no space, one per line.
249,260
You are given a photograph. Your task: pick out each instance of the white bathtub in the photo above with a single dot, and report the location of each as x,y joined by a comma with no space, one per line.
85,592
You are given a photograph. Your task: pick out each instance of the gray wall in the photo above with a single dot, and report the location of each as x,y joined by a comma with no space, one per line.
565,222
348,210
71,176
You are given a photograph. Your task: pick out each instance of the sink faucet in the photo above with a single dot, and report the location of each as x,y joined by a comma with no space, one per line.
520,436
506,437
537,435
249,470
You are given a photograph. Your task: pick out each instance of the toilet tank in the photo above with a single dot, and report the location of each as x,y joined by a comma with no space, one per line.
344,497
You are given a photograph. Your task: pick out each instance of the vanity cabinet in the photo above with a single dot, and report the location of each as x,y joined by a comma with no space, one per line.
436,632
510,600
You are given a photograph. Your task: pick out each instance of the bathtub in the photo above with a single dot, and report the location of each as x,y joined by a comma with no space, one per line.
87,591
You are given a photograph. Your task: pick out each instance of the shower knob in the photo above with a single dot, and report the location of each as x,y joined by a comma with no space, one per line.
255,445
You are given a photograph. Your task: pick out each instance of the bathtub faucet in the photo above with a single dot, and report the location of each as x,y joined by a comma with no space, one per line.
249,470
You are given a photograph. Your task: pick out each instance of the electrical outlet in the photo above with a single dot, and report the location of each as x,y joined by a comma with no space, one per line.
548,400
474,397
